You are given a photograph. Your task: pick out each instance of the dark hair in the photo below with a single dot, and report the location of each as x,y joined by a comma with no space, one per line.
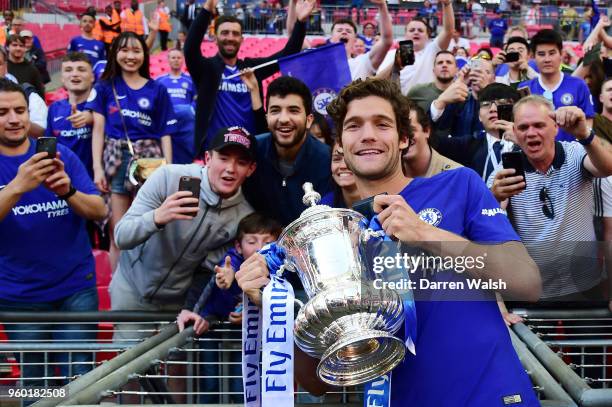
361,89
496,90
422,20
421,116
512,40
546,36
14,38
7,85
76,57
258,223
467,51
287,85
326,132
88,13
346,21
113,69
444,51
227,19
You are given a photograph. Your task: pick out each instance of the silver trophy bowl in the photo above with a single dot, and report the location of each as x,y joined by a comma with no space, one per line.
346,323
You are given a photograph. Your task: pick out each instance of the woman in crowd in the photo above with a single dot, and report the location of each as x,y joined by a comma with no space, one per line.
127,104
345,193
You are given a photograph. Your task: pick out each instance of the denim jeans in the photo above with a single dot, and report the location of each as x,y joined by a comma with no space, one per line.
33,363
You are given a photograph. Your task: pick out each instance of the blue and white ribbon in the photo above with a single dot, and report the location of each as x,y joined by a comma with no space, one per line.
251,351
377,393
274,339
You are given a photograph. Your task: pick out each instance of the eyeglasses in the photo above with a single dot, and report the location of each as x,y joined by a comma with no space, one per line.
486,104
549,212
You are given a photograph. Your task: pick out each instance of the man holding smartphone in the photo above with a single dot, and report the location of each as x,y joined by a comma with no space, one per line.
483,153
165,239
46,262
517,55
553,214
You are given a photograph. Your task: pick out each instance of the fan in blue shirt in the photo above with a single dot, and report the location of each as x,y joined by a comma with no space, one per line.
86,42
559,88
67,119
182,94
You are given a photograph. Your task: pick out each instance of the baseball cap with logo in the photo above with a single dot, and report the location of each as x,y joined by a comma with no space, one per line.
26,33
235,136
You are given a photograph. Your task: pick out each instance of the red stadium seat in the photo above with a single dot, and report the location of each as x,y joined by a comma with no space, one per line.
103,267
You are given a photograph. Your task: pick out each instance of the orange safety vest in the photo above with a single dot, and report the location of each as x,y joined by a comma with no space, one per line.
97,31
164,21
109,35
2,35
132,21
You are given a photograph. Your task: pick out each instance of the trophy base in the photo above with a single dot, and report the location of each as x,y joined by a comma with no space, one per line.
359,357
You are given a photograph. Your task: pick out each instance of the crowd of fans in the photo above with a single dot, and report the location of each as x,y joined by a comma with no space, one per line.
251,155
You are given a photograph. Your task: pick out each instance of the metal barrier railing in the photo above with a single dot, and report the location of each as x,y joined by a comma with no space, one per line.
575,346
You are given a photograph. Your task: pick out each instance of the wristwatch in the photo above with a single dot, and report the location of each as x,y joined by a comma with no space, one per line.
71,191
587,141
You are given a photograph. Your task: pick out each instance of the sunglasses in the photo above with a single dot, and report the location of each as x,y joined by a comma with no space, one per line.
549,212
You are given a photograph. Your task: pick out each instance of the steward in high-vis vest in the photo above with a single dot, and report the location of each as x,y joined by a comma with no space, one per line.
110,25
133,20
162,14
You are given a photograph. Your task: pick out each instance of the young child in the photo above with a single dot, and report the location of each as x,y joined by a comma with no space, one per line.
254,232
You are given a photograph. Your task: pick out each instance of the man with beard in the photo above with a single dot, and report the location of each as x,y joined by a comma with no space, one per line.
288,156
445,69
45,256
224,101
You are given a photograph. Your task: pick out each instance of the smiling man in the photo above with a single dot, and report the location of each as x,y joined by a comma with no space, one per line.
168,234
288,156
223,101
553,213
449,214
67,119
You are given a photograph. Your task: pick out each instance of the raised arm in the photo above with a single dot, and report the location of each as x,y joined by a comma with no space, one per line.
448,24
379,50
193,55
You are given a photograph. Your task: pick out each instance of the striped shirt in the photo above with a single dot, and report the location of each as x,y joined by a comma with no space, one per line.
563,243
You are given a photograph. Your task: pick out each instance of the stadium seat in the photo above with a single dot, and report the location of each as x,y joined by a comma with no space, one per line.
103,268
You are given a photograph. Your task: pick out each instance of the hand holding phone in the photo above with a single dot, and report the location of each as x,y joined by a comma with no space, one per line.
514,159
191,184
406,51
47,145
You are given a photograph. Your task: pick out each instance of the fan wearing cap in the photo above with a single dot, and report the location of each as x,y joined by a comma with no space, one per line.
36,55
164,238
483,153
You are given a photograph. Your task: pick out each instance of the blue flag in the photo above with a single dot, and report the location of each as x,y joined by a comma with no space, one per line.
324,70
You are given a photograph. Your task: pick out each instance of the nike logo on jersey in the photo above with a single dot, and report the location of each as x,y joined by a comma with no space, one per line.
58,118
121,97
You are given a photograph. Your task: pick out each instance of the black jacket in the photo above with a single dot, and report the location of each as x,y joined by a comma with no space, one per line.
206,72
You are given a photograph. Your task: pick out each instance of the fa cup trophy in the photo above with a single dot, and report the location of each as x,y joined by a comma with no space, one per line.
346,323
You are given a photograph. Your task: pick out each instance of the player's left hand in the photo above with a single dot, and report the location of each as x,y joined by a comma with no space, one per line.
399,220
511,319
571,119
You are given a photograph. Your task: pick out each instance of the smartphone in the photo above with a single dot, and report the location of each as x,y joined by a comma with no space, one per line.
592,56
474,64
524,91
366,206
406,50
504,112
191,184
512,56
48,145
607,63
514,159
